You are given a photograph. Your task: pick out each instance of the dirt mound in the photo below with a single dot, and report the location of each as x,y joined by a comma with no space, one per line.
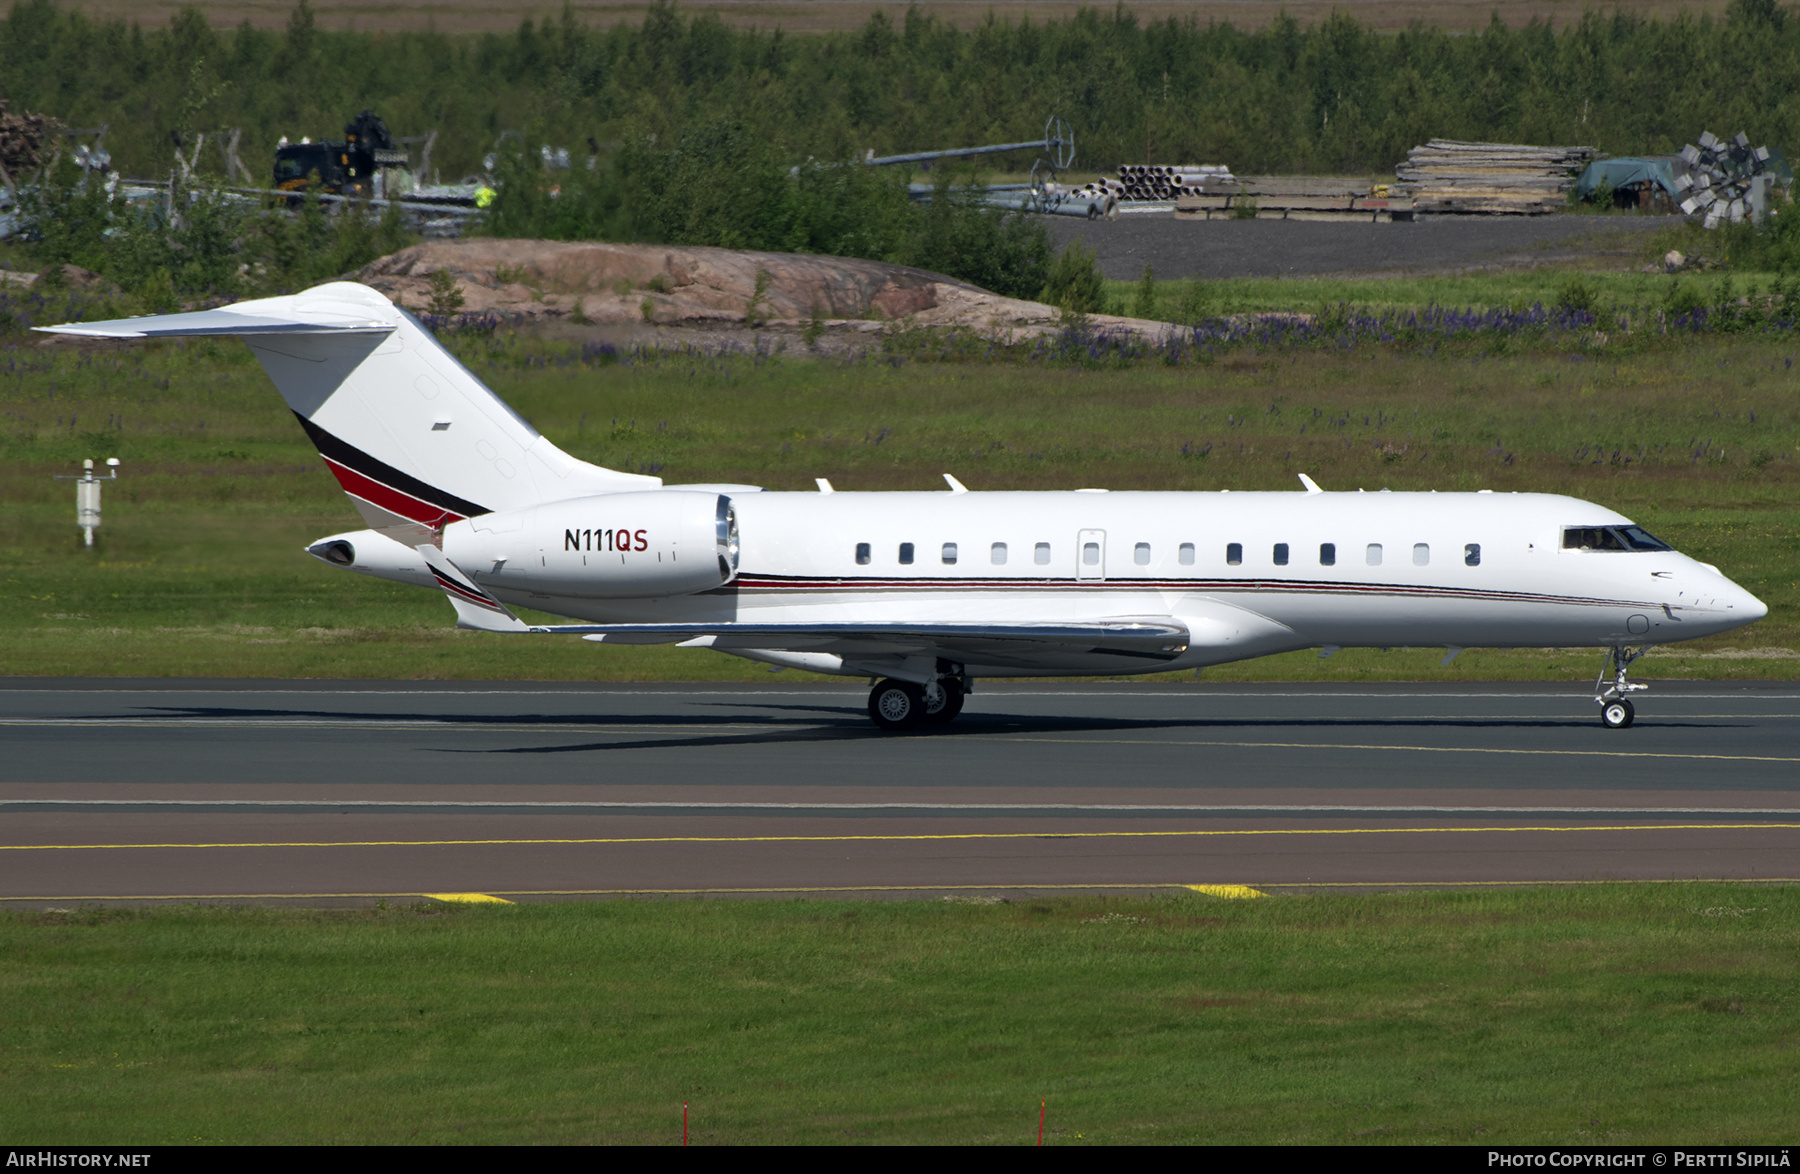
673,286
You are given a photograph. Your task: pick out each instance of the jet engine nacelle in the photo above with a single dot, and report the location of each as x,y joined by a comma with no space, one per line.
614,546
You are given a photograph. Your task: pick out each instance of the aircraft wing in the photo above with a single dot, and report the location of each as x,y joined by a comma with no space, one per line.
1154,637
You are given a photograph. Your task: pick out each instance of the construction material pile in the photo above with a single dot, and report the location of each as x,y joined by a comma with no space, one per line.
1296,197
1161,181
22,142
1729,180
1446,175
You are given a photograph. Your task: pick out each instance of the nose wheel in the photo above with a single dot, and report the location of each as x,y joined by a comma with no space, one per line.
1616,711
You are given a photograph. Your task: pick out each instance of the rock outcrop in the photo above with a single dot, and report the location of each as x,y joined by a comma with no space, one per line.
674,286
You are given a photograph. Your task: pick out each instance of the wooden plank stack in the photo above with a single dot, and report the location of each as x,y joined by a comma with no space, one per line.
1297,197
1447,175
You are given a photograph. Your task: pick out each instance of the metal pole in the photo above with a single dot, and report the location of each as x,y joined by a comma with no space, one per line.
958,153
419,205
87,503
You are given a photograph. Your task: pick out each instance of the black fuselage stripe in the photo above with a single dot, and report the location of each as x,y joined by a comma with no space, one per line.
358,461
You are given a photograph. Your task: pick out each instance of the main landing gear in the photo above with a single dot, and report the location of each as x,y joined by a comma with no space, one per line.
1616,713
902,705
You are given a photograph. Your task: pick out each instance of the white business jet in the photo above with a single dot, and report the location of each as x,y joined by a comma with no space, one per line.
926,592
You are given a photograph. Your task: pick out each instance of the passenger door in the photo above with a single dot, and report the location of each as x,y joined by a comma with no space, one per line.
1090,555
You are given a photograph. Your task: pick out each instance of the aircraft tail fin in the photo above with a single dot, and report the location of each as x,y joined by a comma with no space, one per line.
414,438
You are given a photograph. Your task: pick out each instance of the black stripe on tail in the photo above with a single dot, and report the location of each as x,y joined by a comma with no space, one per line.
355,458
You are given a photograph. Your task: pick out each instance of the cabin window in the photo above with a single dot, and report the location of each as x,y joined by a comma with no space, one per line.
1041,556
1185,556
949,554
1281,554
1591,538
1472,554
1328,554
862,554
1372,555
1639,538
1140,554
997,554
906,554
1421,554
1090,554
1234,554
1611,538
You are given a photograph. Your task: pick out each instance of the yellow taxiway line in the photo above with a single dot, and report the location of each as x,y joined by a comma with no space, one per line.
1044,835
1169,886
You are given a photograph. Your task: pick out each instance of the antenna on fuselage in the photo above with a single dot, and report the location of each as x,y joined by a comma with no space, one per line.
1312,486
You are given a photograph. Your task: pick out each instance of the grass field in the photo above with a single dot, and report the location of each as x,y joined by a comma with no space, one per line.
812,16
198,570
1601,1015
1518,290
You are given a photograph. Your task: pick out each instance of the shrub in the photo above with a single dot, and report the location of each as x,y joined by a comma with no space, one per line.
1194,303
1075,282
1143,304
1576,296
446,295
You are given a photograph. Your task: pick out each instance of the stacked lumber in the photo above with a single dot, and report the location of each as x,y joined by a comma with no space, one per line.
21,142
1297,197
1447,175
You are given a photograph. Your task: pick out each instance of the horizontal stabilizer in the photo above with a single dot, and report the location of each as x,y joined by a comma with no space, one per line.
224,323
475,608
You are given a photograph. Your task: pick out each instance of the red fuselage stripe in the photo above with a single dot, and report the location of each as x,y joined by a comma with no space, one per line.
392,500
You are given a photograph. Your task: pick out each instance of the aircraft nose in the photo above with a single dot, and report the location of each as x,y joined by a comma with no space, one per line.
1737,603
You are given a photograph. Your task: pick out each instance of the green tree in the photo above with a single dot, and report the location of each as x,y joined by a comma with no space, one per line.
1075,283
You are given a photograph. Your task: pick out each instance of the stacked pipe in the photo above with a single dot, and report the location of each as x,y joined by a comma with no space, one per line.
1448,175
1161,181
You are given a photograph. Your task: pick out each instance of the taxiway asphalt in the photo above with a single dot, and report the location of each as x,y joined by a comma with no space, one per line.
1216,249
345,793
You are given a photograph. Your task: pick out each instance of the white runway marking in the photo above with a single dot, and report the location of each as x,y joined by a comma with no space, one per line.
952,808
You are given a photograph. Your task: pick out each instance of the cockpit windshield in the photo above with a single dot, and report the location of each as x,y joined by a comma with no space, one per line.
1626,538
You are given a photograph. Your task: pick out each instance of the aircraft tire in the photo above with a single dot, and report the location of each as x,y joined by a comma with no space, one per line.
953,704
896,705
1617,715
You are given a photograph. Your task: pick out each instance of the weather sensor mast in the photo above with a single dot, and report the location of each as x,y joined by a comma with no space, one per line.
87,495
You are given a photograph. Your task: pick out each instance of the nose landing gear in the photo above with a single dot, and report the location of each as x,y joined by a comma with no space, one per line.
1616,712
